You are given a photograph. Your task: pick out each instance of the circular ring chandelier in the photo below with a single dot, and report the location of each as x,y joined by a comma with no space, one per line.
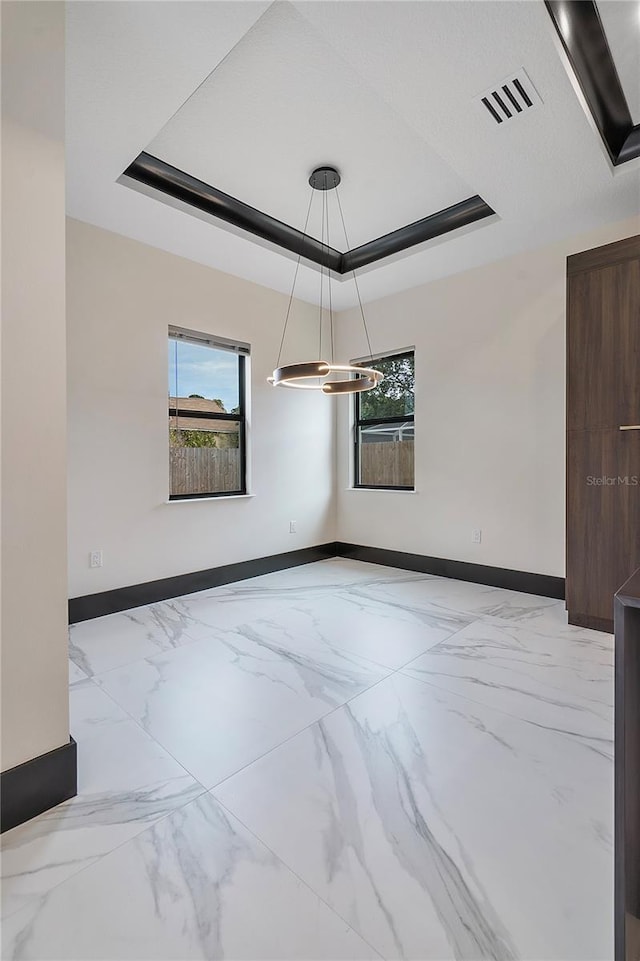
320,374
295,376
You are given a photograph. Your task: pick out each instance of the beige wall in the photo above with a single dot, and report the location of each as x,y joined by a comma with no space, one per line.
34,584
121,298
489,416
490,385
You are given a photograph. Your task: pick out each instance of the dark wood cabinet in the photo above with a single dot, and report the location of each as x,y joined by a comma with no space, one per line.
603,461
603,490
603,346
627,771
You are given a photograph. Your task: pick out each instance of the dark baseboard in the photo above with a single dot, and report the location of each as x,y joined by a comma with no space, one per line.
37,785
137,595
593,623
545,585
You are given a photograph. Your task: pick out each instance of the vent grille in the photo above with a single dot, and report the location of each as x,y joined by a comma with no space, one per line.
510,98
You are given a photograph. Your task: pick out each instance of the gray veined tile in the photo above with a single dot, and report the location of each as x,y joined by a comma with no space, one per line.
126,781
76,673
196,885
561,683
383,633
330,574
226,607
220,703
553,622
107,642
439,828
223,608
462,597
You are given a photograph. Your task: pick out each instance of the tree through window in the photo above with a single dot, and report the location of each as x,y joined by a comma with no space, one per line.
384,426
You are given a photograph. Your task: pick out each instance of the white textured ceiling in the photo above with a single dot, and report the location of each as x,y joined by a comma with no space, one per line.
283,102
402,77
621,22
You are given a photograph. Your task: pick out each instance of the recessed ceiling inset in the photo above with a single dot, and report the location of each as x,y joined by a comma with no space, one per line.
621,22
589,56
159,179
283,99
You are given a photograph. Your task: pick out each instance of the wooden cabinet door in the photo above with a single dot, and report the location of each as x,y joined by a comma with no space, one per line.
603,346
603,520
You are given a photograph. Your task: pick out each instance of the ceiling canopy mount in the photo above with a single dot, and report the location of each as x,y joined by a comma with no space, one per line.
324,178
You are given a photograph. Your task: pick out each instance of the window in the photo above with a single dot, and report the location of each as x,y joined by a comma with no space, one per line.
207,426
384,428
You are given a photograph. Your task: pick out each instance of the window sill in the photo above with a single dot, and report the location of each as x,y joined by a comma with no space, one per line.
385,490
217,497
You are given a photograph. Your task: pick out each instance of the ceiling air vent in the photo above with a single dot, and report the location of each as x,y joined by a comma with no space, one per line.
512,97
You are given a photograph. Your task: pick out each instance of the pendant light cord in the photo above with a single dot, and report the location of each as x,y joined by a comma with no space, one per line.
324,220
330,300
324,198
295,277
364,322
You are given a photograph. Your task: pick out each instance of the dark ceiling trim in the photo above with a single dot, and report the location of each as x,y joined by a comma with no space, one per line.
585,42
161,176
459,215
153,172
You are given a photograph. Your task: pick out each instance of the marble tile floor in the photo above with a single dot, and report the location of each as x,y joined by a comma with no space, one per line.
337,761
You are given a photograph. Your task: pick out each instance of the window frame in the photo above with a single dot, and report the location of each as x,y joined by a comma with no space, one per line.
242,352
359,422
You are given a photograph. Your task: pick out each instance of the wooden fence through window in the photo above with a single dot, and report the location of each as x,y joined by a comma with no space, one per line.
387,464
204,470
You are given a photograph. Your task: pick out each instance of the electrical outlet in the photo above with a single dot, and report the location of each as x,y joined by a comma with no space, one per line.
292,527
95,559
476,536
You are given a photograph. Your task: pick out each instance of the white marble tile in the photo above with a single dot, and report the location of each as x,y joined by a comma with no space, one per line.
461,808
561,683
439,828
76,673
552,621
462,597
265,596
126,781
514,606
196,885
383,633
108,642
220,703
104,643
334,573
222,608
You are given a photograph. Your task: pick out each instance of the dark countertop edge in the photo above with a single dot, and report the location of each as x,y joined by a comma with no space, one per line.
629,593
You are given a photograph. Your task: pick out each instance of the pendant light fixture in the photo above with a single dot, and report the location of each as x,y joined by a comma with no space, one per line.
323,375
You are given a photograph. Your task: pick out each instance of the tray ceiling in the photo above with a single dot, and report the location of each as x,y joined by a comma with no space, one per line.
283,102
621,22
250,97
